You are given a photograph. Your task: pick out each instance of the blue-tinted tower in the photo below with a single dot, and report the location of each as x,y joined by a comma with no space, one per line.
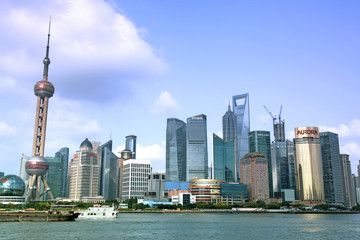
175,150
242,113
196,148
223,159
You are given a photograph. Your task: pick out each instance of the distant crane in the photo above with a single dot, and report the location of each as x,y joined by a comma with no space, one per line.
278,125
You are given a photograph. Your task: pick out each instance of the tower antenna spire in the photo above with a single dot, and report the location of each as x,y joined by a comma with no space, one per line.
47,59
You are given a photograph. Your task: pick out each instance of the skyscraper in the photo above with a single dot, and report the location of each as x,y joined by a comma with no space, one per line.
348,185
54,176
223,159
84,172
63,155
309,172
135,178
175,150
242,113
37,165
259,141
23,174
109,171
254,173
229,125
196,148
130,144
333,180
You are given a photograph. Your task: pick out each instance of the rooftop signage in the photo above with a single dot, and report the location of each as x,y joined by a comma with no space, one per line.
303,132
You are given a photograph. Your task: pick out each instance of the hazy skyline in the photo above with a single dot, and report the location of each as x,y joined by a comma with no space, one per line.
124,67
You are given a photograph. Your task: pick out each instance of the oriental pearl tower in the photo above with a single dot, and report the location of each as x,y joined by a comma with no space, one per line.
37,165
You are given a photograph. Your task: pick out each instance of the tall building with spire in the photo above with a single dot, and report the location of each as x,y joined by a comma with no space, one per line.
229,125
37,165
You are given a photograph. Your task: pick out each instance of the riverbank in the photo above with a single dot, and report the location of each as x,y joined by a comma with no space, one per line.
238,212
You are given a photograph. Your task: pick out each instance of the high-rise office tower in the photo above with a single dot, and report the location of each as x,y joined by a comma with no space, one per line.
23,174
130,144
254,173
37,165
309,172
333,180
348,185
229,125
259,141
63,155
54,176
196,148
242,113
109,171
84,172
223,159
291,176
283,166
357,189
175,150
135,178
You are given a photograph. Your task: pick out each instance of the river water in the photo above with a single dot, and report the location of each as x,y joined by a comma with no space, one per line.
208,226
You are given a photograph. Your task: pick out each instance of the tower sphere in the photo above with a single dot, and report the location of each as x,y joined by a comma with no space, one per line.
11,185
44,88
36,165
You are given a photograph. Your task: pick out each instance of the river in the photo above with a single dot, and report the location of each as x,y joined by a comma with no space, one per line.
209,226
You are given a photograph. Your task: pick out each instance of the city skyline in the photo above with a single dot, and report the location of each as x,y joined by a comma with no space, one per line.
117,63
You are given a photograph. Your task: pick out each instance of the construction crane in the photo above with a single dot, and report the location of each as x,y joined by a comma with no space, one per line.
273,118
278,125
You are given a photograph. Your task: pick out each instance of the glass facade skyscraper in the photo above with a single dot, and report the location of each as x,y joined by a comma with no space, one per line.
175,150
109,173
54,177
63,155
259,141
196,148
333,180
348,184
242,113
223,159
229,125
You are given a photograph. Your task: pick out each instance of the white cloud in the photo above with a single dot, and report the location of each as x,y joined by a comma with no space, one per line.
352,149
165,104
345,130
155,153
95,51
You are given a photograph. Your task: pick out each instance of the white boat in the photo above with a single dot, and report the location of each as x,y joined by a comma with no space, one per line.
98,211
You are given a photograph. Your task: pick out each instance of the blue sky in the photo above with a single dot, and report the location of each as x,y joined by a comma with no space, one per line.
124,67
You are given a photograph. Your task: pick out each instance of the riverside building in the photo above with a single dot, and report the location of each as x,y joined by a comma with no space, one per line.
333,181
206,190
135,178
309,171
259,141
254,173
84,173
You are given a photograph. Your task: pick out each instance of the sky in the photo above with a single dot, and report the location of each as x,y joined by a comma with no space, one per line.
123,67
